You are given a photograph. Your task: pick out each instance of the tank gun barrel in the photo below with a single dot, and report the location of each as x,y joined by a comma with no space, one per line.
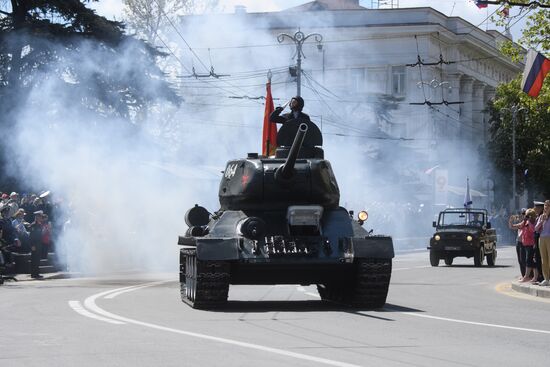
286,170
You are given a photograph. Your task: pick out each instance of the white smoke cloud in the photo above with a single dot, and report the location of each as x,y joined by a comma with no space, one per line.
128,189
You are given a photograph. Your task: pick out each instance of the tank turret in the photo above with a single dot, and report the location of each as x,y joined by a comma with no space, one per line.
280,222
294,178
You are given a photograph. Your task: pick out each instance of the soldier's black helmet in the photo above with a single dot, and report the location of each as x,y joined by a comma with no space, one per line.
300,101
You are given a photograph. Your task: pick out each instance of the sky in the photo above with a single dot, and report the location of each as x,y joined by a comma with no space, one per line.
465,9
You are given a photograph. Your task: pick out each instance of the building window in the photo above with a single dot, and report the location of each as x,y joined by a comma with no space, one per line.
398,80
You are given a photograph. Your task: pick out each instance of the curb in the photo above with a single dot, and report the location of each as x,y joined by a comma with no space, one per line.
531,289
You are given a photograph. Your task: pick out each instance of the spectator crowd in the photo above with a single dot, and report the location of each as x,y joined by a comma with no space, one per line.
533,243
26,226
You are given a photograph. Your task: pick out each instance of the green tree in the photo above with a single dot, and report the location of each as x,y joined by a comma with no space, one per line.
148,17
41,40
533,123
90,64
532,136
534,35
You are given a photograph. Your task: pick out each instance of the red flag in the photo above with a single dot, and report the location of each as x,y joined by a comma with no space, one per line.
269,136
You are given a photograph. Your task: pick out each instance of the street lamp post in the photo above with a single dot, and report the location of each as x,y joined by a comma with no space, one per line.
299,38
514,110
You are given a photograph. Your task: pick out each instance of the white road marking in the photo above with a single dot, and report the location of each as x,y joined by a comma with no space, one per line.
75,305
130,289
454,320
413,267
476,323
90,304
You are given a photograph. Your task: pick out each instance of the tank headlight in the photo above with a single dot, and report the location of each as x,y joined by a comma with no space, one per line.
469,238
363,215
437,237
252,227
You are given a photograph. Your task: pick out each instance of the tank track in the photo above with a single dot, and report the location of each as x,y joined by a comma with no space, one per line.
367,290
206,283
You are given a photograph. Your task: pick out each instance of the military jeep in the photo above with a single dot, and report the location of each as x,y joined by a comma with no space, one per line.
463,233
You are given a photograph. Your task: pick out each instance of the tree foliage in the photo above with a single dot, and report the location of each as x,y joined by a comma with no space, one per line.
148,17
532,125
98,65
534,35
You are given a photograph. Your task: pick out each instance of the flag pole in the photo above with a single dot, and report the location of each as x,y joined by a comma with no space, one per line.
269,76
269,134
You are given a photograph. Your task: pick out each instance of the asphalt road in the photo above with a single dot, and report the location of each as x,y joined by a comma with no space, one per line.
444,316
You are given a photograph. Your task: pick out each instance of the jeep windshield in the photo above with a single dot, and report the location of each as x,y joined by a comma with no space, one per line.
470,219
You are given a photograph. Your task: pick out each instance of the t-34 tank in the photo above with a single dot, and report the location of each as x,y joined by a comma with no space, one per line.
280,222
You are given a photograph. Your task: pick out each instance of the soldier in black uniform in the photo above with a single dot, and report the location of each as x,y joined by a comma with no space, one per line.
35,240
291,122
295,114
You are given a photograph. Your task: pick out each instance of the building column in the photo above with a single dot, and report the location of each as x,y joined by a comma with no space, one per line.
478,105
466,117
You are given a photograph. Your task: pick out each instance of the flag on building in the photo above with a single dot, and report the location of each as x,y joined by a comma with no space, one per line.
481,4
536,68
467,197
504,12
269,136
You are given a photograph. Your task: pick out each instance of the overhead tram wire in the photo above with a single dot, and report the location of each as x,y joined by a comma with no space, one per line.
251,76
333,122
185,67
310,77
420,68
483,21
189,46
331,111
431,104
520,17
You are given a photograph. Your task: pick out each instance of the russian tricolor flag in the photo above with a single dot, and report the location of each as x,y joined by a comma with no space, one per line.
481,4
536,68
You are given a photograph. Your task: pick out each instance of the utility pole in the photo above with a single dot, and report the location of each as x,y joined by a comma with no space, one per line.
299,38
514,110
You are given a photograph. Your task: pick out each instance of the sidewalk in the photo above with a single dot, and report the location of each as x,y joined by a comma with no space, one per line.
46,276
531,289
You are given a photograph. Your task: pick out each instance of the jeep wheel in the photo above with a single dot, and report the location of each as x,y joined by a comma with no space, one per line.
434,258
449,260
479,256
492,257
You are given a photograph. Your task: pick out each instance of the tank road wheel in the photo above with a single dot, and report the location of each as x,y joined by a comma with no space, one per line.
434,258
479,256
492,257
449,260
368,289
206,282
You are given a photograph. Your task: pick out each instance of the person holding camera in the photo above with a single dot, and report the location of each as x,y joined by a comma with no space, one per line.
543,228
527,226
